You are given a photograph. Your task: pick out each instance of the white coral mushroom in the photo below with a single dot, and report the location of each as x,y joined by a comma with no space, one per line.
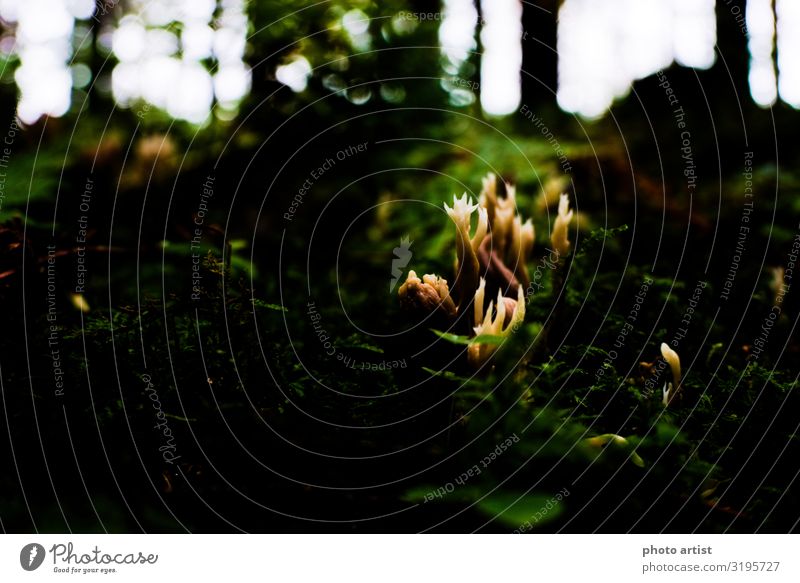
674,362
522,236
512,241
493,322
488,196
558,238
426,295
467,266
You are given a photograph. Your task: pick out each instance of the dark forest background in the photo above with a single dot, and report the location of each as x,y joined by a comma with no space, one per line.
268,432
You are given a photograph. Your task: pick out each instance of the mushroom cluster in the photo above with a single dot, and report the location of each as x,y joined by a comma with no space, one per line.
491,257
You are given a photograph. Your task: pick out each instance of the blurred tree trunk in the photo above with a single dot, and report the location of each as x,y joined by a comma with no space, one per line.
732,46
539,56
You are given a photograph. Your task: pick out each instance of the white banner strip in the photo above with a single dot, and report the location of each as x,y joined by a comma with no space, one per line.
400,558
